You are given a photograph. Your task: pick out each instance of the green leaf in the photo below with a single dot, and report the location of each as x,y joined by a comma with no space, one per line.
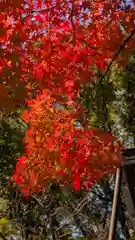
3,221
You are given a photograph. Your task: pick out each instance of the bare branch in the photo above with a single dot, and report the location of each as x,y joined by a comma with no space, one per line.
3,236
47,9
77,210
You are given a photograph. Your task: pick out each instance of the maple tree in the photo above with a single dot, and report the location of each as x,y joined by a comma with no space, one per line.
52,48
56,150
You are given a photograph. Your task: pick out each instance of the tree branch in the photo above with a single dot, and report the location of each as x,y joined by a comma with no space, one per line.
3,236
47,9
72,22
122,46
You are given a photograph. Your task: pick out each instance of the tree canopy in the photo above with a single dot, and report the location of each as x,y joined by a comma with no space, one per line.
49,51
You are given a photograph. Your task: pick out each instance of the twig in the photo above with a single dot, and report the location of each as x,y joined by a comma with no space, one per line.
65,234
80,204
72,23
38,201
57,210
77,210
47,9
3,236
122,46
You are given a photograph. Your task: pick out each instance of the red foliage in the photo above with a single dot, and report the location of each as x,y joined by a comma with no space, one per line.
53,47
72,38
57,151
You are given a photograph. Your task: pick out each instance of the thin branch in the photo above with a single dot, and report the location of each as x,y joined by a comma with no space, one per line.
76,211
122,46
38,201
72,22
56,212
3,236
65,234
47,9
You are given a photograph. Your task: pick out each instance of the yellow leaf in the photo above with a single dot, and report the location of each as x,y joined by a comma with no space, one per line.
3,221
127,18
51,110
37,139
9,63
